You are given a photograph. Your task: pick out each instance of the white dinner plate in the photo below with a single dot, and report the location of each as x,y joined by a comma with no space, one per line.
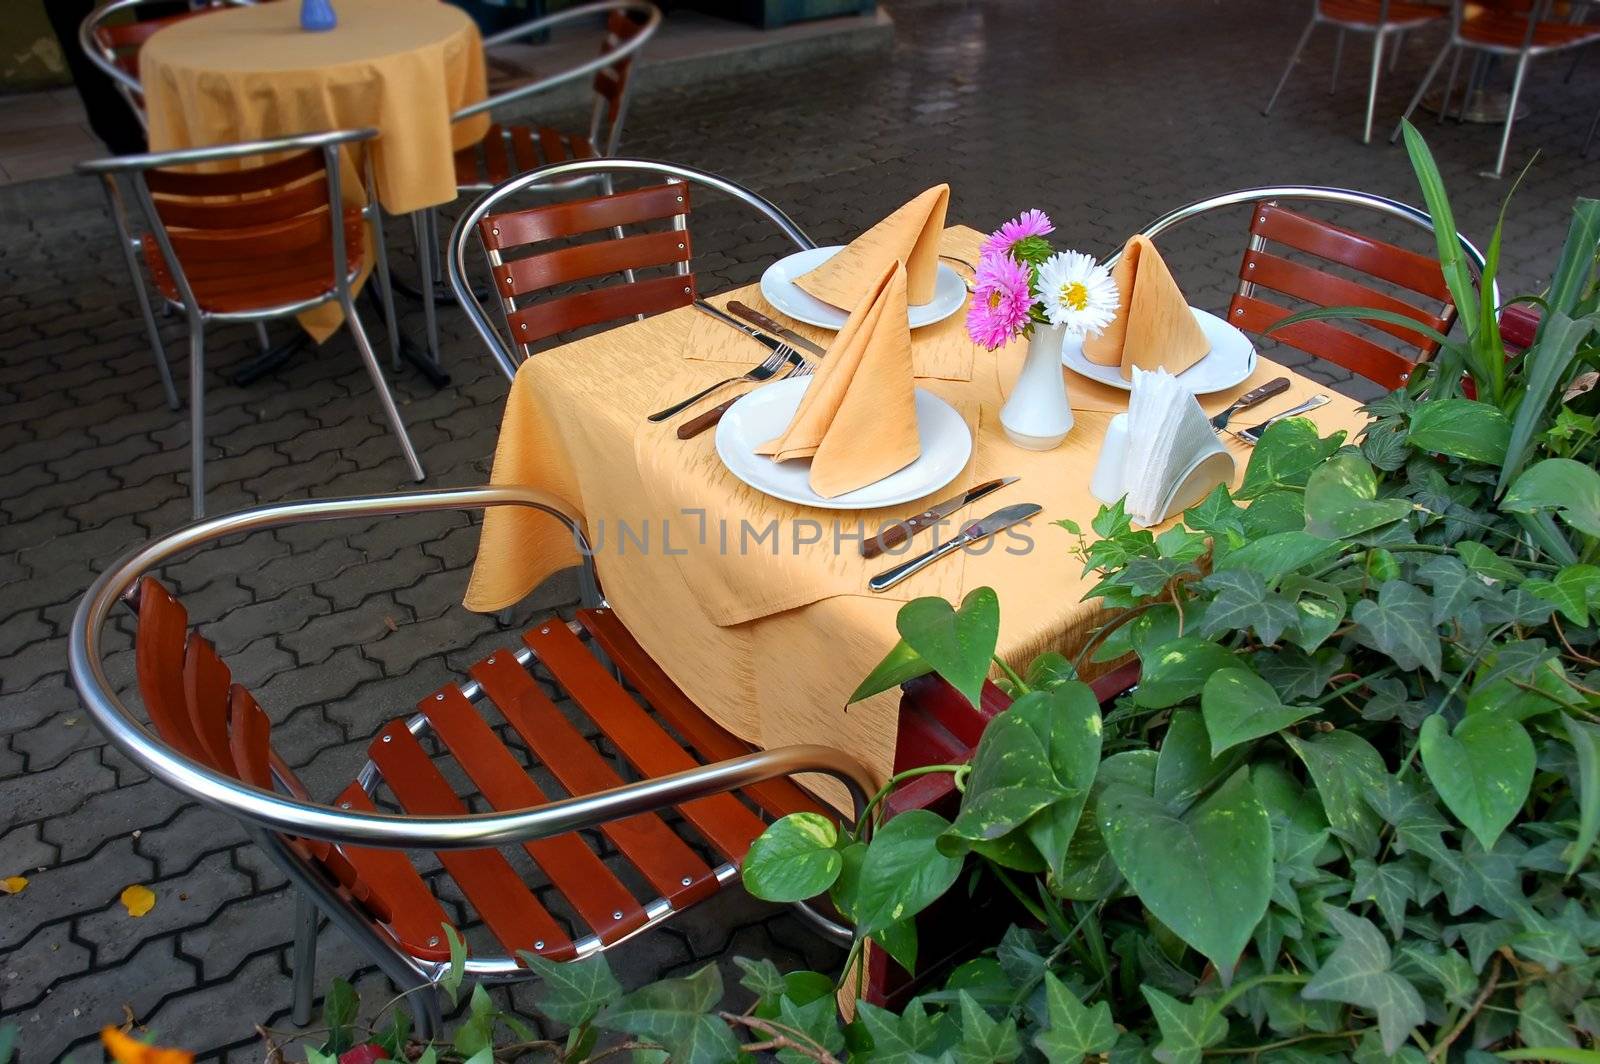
763,414
779,289
1232,358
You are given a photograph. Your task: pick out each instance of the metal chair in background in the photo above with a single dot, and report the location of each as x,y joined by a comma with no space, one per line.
1502,28
270,240
509,149
1263,270
208,738
518,281
1380,18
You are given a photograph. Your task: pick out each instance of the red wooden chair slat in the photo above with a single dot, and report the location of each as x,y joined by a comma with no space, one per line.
1401,266
665,860
1324,341
158,657
584,261
721,818
289,203
582,309
1325,289
495,154
1367,11
493,887
573,868
206,681
250,731
522,148
264,177
414,913
779,797
655,203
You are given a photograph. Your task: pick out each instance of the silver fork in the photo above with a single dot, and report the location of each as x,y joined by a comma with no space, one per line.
774,361
702,421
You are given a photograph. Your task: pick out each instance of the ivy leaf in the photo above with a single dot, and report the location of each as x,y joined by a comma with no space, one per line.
1570,488
817,1020
1217,514
677,1015
1239,706
901,1039
1482,771
958,643
1390,886
1175,672
1548,944
1187,1029
984,1040
903,871
1346,769
1285,456
1585,739
1488,879
1453,587
1539,1024
1360,972
1296,673
573,992
1400,624
793,859
1342,499
1573,591
1074,1031
1461,428
1370,1050
1205,874
1418,825
1276,555
1486,564
761,977
1446,969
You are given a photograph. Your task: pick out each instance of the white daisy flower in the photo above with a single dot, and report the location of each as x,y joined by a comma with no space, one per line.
1077,292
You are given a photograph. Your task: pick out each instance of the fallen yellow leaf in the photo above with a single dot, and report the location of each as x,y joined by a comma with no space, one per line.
139,900
12,885
126,1049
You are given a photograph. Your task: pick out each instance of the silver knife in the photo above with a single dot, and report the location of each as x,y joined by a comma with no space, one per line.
1273,387
1253,435
899,532
723,316
998,521
766,324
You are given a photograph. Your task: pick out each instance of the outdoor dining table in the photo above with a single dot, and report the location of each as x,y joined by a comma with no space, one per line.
759,609
250,73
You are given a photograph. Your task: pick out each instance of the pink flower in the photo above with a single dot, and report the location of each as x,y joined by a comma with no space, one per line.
1001,299
1024,225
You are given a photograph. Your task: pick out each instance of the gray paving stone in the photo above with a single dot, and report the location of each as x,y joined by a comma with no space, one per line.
122,810
24,852
28,973
53,791
68,889
76,1009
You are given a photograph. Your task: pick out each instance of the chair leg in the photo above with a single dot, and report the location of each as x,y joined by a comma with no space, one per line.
1372,85
197,416
1449,86
305,958
380,250
1338,61
1427,79
1399,46
1294,57
422,226
375,371
1577,61
157,349
1589,140
261,336
1511,114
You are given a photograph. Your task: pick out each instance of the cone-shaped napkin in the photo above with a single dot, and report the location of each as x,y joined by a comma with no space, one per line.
1154,328
858,420
910,234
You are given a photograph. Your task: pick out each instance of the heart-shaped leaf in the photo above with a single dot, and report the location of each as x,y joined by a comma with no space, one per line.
903,871
1461,428
1285,455
1239,706
1482,771
1206,874
1346,769
1342,499
794,859
1561,484
1175,672
959,644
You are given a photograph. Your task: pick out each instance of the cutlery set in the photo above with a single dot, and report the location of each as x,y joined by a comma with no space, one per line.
792,355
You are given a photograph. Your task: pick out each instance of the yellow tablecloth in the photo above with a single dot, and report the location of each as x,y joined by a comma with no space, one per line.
249,73
771,644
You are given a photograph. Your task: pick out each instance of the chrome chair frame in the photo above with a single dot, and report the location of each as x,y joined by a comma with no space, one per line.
1314,193
1380,31
133,167
126,84
269,815
1525,54
566,173
425,222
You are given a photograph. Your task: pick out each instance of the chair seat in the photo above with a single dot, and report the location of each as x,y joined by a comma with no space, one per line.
228,285
1506,30
506,151
1366,13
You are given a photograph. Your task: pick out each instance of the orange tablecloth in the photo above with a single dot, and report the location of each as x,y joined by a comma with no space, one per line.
249,73
770,643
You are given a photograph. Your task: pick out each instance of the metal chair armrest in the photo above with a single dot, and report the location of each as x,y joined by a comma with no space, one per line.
242,150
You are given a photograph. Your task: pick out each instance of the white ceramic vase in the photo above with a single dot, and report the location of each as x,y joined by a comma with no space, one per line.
1037,415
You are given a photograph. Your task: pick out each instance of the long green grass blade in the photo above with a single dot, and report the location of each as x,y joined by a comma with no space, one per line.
1364,314
1456,275
1576,266
1545,370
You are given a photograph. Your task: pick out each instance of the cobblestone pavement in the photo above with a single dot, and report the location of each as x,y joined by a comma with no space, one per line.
1103,112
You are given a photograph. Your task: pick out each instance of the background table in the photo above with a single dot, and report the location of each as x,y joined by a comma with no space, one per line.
779,671
251,73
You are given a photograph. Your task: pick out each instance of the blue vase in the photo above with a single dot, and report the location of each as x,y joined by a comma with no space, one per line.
317,15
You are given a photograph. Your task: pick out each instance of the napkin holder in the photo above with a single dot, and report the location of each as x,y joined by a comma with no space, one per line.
1212,465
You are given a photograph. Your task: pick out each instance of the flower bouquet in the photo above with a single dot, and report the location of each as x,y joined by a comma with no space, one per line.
1021,283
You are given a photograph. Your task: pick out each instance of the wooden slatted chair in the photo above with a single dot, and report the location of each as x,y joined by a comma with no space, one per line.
209,738
112,36
535,254
1272,266
249,244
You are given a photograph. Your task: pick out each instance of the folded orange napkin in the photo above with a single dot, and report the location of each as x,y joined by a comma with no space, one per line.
910,234
858,419
1154,328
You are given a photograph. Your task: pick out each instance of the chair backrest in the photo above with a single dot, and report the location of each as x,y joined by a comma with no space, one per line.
113,44
541,238
253,238
1346,268
611,82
